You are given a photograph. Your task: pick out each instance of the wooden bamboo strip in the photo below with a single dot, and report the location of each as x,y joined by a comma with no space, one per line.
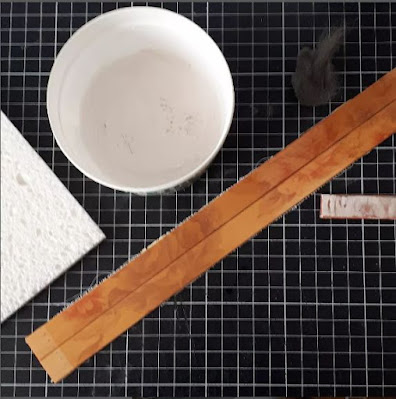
201,257
188,234
357,206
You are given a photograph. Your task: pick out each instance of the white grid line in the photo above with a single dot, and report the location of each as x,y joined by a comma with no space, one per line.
332,270
269,229
363,246
283,218
347,232
299,240
318,365
222,262
379,230
206,274
253,239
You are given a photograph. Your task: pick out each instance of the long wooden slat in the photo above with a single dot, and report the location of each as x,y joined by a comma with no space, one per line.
173,245
338,206
215,246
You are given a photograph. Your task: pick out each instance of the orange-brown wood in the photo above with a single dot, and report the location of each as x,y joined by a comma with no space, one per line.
221,210
215,246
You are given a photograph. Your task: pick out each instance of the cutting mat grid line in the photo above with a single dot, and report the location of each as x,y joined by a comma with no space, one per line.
307,307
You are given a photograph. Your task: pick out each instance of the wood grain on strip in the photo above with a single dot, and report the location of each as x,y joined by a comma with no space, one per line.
210,218
218,244
358,206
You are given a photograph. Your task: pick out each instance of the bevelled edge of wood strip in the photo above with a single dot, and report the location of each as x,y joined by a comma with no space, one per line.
227,205
358,206
223,241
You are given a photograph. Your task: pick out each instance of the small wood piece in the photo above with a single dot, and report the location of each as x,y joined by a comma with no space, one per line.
358,207
178,258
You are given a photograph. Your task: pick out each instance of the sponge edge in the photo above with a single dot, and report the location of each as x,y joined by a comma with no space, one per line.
44,230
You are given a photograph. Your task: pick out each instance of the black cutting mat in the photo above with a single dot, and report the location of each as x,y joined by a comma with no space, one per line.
305,308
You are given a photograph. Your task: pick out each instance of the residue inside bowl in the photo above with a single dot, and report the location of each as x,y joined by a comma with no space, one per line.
149,119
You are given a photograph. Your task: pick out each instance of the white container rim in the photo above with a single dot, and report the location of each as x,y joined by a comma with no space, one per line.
52,95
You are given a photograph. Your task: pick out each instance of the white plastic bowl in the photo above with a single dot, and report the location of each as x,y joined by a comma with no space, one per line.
140,99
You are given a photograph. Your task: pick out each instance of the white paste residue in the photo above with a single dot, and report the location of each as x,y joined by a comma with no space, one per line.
149,119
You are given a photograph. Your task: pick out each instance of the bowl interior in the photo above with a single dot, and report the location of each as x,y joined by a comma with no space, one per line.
140,99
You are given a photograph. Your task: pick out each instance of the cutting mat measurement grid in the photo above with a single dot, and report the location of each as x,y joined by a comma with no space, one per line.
302,309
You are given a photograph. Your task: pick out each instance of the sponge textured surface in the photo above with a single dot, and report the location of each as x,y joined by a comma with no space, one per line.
44,230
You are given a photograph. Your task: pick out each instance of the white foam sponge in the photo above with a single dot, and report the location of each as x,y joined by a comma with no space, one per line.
44,230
